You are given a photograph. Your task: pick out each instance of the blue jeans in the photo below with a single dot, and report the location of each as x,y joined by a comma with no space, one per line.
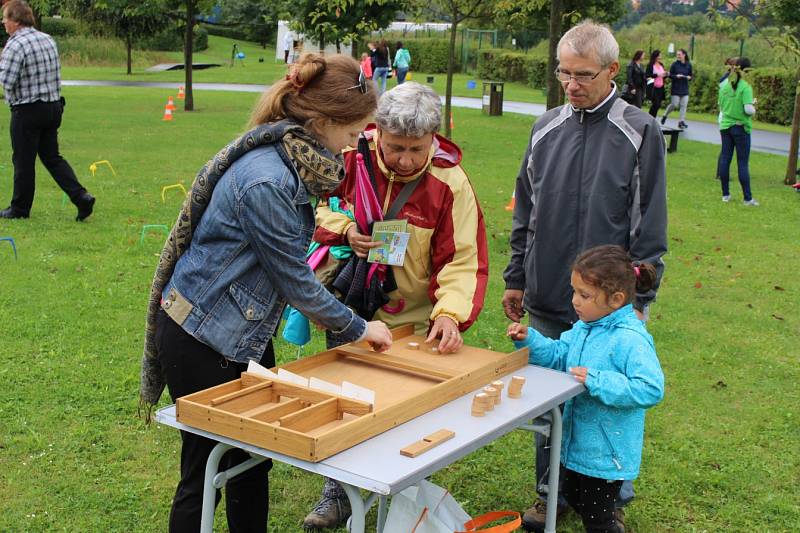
735,137
401,75
380,73
554,329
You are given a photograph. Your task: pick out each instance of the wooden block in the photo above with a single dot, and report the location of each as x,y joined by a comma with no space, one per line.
478,405
515,387
489,392
493,393
499,386
413,346
478,412
431,441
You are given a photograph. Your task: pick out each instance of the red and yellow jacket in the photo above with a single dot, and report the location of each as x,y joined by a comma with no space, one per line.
446,267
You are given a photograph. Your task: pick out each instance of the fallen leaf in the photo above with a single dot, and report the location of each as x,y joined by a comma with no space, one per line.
777,317
750,306
698,285
715,466
719,385
779,288
697,258
677,239
718,249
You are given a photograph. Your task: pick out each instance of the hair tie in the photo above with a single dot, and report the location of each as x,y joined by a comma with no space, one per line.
292,78
636,271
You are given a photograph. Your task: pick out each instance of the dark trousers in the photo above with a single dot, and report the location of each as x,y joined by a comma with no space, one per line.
34,130
657,98
735,137
191,366
593,499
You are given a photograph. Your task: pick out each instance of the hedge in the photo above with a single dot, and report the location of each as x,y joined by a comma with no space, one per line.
59,27
171,40
427,55
773,87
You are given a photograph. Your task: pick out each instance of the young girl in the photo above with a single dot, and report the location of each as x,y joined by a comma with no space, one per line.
610,352
366,65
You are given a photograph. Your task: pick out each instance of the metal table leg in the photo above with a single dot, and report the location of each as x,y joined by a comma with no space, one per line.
359,508
555,465
382,513
216,480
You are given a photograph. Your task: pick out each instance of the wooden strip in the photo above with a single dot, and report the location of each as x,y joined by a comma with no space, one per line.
313,416
219,400
348,405
427,443
398,363
270,412
204,396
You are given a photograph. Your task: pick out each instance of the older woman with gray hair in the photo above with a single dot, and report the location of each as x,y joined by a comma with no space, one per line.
417,178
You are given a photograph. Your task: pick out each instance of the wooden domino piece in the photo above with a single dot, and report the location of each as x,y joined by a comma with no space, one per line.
413,346
492,393
431,441
515,387
499,386
479,404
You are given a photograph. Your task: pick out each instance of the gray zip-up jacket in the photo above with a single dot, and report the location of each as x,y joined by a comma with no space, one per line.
589,177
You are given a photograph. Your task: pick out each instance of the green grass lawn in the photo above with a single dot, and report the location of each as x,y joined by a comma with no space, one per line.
720,451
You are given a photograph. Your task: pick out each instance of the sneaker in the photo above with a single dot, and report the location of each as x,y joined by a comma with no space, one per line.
751,201
534,518
726,198
619,516
682,125
10,212
328,513
663,120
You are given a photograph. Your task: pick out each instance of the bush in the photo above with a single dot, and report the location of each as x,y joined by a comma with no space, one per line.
502,65
171,40
428,55
58,27
230,32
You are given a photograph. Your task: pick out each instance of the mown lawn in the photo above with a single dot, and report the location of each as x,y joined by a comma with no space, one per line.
721,450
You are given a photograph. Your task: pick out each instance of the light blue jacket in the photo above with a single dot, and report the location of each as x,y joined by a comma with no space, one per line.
402,59
247,260
604,426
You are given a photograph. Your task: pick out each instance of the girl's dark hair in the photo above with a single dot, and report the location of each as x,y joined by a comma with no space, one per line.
655,53
685,54
637,56
399,45
741,64
610,269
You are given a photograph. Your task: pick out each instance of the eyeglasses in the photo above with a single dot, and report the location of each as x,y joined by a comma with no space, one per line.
581,79
362,82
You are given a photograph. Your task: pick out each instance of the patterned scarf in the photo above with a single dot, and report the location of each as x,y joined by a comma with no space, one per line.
320,171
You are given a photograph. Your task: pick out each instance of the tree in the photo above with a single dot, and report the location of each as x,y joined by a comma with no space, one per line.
187,11
257,18
342,21
456,12
127,19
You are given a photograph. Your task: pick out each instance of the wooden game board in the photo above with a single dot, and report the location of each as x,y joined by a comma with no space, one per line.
313,425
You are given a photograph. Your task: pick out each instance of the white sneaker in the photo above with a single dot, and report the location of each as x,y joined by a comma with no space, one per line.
752,202
726,198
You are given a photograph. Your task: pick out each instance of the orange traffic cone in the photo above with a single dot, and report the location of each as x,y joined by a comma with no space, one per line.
170,104
167,113
512,203
181,96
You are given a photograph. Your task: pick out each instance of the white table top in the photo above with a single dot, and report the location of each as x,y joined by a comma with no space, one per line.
376,464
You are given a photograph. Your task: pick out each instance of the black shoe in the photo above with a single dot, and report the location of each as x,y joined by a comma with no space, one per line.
85,206
10,212
534,518
682,125
663,120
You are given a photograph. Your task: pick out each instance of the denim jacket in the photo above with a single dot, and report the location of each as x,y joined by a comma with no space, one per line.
604,426
246,260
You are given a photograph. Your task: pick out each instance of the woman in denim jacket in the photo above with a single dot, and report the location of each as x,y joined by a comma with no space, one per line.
236,257
612,354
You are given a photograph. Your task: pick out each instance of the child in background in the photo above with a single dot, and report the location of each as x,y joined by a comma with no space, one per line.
611,353
366,65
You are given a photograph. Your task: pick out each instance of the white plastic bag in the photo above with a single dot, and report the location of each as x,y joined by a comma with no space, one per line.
425,508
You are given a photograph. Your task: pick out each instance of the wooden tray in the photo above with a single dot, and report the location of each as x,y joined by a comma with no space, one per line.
313,425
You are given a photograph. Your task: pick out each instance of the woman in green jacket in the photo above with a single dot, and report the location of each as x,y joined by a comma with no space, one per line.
402,60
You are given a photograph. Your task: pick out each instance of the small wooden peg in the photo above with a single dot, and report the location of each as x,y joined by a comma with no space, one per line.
499,386
515,387
478,405
491,392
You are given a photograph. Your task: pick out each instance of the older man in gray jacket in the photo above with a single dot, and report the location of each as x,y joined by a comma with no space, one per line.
594,173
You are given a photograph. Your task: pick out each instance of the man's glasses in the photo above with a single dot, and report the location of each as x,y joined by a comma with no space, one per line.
362,82
581,79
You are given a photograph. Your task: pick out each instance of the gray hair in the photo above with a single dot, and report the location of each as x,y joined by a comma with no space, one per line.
410,110
591,40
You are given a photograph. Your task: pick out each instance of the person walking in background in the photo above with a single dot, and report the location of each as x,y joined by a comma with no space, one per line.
288,45
382,65
402,62
614,193
655,74
680,72
635,82
366,65
736,110
30,72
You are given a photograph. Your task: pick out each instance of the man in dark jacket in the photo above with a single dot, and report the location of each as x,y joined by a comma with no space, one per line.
593,173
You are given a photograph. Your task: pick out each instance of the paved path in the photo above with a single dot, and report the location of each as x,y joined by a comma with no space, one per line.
761,141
